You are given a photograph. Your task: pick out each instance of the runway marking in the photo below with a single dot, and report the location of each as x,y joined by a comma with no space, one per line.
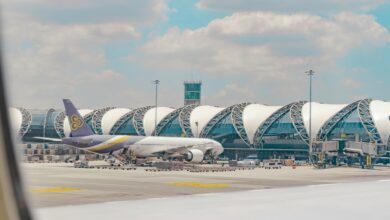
200,185
55,189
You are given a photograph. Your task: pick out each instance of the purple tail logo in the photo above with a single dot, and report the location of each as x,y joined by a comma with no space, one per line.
76,122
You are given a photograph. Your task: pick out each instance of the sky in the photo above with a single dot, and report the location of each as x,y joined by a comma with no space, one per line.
106,53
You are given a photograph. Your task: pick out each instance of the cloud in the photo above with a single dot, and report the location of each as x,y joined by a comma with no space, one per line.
88,89
57,49
317,6
90,11
48,61
77,44
351,83
230,94
264,45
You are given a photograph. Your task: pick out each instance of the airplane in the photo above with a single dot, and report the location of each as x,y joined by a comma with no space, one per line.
124,147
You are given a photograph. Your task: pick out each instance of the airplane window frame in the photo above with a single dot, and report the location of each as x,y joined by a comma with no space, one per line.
10,172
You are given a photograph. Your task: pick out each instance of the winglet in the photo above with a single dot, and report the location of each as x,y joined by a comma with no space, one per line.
77,124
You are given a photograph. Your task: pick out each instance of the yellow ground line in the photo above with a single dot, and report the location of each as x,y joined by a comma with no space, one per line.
200,185
55,189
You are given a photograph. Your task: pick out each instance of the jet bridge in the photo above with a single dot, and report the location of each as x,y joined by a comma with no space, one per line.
343,152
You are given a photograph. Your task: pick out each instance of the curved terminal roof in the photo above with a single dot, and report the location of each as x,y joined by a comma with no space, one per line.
149,118
321,113
254,115
16,119
82,112
202,114
380,113
111,117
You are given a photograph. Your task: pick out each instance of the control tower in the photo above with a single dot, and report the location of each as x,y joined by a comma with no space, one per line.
192,92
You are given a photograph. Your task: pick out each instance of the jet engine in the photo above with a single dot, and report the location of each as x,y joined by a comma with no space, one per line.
194,155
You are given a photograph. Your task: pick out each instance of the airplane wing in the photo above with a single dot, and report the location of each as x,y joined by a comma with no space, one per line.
179,149
174,150
48,139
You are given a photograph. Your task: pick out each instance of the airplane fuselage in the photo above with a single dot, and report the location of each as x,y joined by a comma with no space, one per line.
142,146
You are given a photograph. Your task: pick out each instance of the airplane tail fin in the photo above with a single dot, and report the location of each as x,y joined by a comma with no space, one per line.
77,124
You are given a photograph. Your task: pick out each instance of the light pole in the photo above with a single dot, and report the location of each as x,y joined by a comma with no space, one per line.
156,82
310,73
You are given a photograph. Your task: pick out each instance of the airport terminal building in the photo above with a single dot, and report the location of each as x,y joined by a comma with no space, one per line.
243,129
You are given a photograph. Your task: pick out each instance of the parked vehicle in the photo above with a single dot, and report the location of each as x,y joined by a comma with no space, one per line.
252,158
272,164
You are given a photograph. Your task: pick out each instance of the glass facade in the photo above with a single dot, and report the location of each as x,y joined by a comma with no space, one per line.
350,128
172,129
192,90
283,135
50,130
192,93
388,144
37,125
127,128
225,133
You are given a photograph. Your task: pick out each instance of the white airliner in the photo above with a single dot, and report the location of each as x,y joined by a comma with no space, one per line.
121,146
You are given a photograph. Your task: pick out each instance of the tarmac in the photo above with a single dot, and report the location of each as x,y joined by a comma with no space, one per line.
51,185
354,201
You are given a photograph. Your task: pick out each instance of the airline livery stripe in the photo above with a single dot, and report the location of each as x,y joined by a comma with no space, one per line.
108,143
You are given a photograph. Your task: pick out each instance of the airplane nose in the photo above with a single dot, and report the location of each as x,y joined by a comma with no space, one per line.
218,147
